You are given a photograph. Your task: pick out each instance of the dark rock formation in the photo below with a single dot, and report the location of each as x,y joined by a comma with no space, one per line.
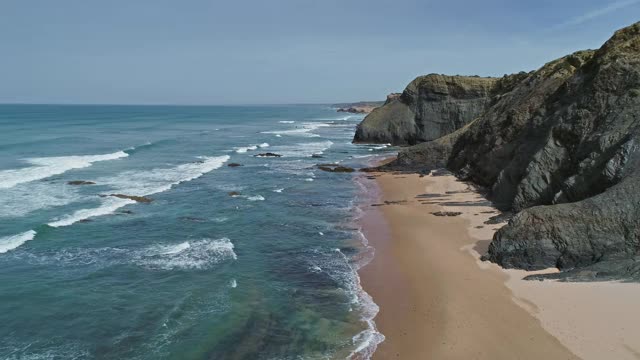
356,110
268,154
80,182
560,148
140,199
234,193
362,107
335,168
431,106
446,213
234,165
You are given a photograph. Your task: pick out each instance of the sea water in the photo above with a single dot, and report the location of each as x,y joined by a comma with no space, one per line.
251,262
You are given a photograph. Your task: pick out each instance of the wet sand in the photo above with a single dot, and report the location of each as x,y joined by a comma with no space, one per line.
436,302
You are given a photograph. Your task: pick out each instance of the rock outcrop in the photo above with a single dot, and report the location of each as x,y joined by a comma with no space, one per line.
362,107
80,182
561,149
431,106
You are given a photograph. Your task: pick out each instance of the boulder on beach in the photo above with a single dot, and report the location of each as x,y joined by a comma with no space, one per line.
446,213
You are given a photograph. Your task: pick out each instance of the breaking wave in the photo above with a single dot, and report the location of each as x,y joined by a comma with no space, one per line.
8,243
44,167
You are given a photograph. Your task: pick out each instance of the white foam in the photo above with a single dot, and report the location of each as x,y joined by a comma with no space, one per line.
44,167
242,150
255,198
303,149
278,190
109,205
142,183
174,249
308,179
286,122
8,243
25,198
198,255
383,146
305,130
233,283
148,182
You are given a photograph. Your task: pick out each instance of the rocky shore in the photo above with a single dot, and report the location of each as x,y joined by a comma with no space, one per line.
557,146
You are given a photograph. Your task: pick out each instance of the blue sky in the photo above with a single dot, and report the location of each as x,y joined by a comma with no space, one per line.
279,51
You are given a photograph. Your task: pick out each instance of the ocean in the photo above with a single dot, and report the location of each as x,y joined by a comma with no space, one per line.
257,261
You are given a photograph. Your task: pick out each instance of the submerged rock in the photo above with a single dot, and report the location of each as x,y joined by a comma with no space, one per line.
80,182
268,154
140,199
234,193
335,168
234,165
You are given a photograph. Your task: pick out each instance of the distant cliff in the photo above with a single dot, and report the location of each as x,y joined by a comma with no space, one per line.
560,147
360,107
431,106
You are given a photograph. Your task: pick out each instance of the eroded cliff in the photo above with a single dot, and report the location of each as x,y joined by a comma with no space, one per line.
431,106
560,148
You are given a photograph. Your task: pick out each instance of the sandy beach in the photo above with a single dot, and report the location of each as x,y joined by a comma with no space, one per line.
439,301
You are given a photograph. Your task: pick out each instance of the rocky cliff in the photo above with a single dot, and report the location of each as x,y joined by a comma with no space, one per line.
430,107
560,148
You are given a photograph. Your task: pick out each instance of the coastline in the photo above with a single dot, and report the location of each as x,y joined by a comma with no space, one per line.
437,299
434,300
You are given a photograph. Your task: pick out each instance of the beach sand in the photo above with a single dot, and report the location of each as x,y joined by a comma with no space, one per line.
439,301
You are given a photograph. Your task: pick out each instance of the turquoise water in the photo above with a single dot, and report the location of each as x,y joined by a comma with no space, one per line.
196,273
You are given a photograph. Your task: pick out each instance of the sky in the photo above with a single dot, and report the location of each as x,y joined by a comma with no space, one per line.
213,52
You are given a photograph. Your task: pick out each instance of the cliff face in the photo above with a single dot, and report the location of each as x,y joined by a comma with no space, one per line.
430,107
561,149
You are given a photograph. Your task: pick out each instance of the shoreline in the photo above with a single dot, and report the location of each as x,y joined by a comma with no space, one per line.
434,300
437,299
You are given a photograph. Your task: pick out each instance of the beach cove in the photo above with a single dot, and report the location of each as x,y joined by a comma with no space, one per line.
439,301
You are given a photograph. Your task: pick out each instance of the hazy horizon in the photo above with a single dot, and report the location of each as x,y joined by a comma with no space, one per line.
281,52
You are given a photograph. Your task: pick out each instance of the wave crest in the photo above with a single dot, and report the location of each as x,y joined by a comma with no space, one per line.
44,167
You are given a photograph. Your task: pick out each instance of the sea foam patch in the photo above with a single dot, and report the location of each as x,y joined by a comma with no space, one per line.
303,149
23,199
8,243
142,183
188,255
304,130
44,167
109,205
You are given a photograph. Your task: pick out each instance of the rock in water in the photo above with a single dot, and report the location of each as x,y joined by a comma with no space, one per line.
559,148
268,154
335,168
140,199
234,165
80,182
